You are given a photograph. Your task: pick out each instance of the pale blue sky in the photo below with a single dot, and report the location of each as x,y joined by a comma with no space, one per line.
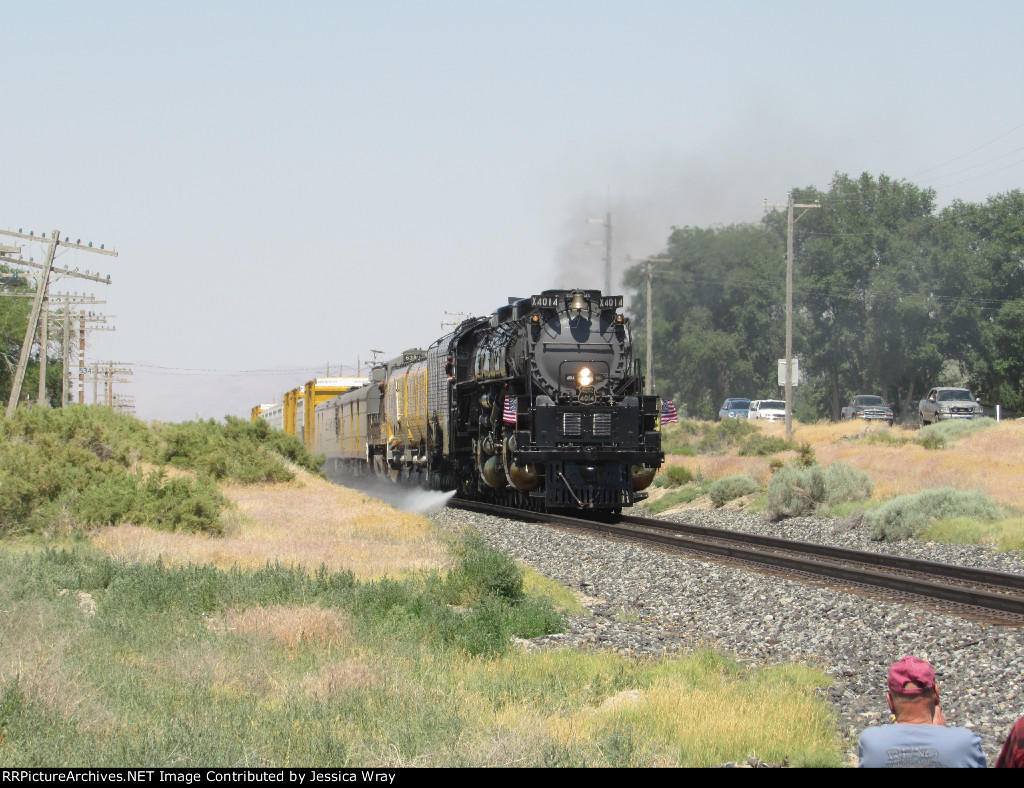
292,186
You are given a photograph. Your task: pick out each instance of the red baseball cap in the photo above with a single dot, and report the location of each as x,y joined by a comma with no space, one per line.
911,669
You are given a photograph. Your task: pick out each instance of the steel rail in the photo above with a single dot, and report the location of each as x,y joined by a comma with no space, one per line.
729,544
867,557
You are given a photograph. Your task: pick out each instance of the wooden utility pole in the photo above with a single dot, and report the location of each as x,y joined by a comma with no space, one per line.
65,318
47,269
30,331
109,373
649,261
790,205
88,321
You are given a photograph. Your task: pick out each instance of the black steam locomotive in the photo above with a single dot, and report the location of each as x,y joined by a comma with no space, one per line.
539,405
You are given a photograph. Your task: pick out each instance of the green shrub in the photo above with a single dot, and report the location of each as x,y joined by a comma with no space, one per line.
75,466
932,441
714,441
674,476
690,437
736,429
44,467
676,438
101,431
237,450
795,491
844,484
170,504
907,516
760,445
730,487
945,433
885,438
482,571
670,499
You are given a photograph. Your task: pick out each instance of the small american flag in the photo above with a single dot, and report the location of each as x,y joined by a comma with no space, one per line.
508,414
668,412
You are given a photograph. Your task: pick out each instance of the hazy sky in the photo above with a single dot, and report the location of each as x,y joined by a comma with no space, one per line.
292,186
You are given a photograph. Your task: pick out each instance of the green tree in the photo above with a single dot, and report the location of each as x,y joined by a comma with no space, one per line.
13,319
889,295
983,293
862,263
14,314
718,325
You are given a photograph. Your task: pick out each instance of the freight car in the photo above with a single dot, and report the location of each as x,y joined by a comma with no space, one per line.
539,405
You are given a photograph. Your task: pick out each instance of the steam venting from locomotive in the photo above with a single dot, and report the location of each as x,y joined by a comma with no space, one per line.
538,405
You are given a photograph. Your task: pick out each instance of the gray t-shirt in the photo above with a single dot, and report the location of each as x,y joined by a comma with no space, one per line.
913,746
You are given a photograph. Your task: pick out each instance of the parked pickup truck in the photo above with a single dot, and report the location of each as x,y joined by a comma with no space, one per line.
949,403
870,407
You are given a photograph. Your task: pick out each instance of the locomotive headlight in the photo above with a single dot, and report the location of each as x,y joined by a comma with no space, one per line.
585,377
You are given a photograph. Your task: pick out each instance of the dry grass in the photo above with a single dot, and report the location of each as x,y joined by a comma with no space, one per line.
36,638
339,677
675,714
307,523
991,460
290,624
713,467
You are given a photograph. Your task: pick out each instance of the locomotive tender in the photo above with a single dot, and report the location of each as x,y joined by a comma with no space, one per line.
538,405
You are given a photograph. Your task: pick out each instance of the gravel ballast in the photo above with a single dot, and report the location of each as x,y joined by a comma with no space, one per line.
647,603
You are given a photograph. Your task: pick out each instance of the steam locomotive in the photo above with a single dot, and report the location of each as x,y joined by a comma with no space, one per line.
539,405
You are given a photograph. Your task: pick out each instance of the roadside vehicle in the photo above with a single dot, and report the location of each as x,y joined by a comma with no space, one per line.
947,402
869,407
734,408
767,410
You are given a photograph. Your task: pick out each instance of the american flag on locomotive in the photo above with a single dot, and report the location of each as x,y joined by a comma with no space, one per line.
668,412
508,413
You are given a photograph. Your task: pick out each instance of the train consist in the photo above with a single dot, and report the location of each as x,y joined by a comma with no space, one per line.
539,405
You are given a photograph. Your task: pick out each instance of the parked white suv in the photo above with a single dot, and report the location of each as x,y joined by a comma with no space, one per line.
767,410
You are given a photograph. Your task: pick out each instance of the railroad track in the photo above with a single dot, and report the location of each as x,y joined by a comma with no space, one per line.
972,591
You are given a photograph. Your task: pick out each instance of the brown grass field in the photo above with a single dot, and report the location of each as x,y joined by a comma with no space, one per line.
309,522
991,460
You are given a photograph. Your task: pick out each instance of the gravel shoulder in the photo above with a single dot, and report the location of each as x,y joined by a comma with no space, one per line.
648,604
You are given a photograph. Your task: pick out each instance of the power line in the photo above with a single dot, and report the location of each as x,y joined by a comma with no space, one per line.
973,150
291,371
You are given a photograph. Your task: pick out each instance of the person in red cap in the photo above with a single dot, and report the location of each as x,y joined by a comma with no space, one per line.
919,735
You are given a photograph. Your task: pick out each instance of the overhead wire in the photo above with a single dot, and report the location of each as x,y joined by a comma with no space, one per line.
973,150
159,369
739,282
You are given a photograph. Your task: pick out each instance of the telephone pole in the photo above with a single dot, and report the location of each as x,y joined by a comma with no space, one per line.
99,323
648,262
790,205
47,269
65,318
109,373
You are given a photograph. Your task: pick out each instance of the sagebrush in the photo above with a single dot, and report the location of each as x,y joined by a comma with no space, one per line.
907,516
797,490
